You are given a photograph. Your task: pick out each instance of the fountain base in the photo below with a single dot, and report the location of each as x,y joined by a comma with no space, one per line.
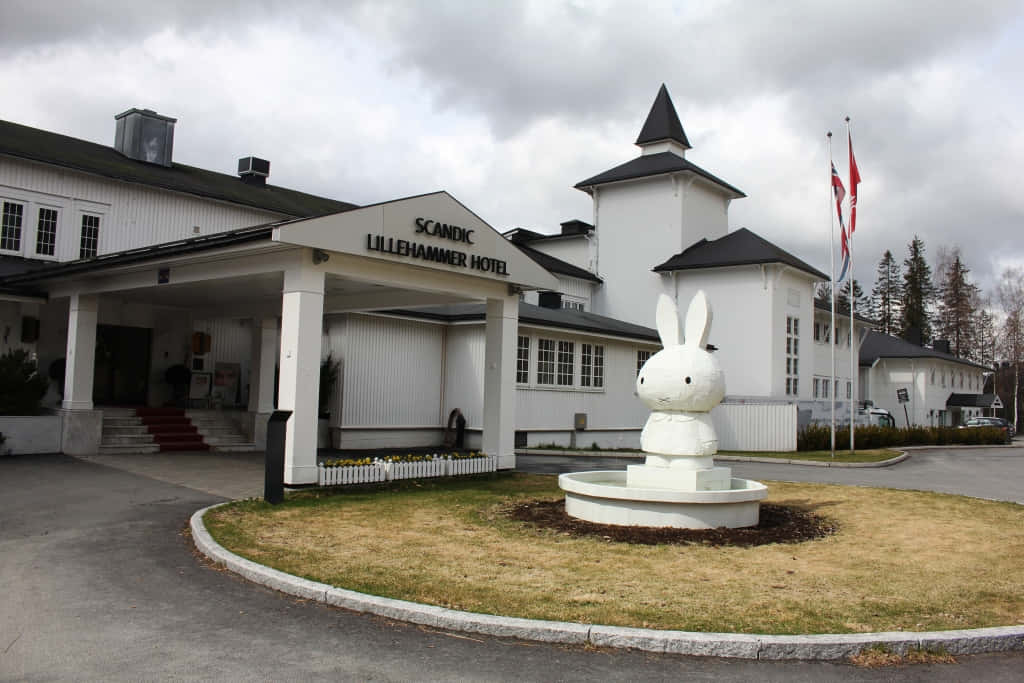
604,497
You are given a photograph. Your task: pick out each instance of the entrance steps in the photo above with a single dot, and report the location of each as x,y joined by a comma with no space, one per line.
151,430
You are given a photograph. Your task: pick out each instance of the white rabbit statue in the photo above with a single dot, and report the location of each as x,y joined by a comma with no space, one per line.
681,384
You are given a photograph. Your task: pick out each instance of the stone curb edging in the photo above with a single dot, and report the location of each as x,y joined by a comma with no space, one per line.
737,645
732,458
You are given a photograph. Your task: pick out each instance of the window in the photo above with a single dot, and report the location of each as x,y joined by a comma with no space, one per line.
545,361
566,351
90,236
46,233
591,365
817,388
641,358
828,333
10,229
572,305
849,390
792,353
523,360
824,388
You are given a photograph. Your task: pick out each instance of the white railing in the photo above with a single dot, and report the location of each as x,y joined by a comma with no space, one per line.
380,470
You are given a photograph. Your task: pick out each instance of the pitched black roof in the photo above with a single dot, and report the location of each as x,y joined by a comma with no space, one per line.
738,248
60,150
563,318
973,400
556,265
662,122
878,345
655,164
826,305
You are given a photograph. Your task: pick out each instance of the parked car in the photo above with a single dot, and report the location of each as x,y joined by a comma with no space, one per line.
1006,423
990,422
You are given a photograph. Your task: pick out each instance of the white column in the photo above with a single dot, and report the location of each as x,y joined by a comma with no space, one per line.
81,352
302,313
499,380
261,383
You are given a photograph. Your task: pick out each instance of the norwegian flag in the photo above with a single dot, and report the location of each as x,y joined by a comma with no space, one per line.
840,193
854,181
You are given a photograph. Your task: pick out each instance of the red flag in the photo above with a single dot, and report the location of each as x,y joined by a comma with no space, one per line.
854,181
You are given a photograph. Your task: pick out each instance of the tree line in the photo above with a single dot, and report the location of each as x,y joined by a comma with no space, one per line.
911,302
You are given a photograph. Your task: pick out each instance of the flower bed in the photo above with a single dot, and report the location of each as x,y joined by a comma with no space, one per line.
393,467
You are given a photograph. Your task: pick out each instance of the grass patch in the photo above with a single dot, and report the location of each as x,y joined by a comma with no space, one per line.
902,560
879,656
868,455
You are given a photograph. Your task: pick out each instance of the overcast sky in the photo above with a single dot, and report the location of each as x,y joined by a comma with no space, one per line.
508,105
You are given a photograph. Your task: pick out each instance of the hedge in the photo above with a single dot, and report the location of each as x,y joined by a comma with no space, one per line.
817,437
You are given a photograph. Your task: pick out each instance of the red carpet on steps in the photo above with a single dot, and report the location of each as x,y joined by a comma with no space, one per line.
171,429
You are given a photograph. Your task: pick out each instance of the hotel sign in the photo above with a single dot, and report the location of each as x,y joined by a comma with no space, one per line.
435,253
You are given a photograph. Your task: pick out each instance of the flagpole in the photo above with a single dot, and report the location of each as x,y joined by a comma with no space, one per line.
853,298
832,323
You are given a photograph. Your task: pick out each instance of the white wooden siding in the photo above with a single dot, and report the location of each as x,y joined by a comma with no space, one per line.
132,215
392,371
464,373
755,426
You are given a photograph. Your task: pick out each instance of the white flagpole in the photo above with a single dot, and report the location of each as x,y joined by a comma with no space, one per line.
832,329
853,302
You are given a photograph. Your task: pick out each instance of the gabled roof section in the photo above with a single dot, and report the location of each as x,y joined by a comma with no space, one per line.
60,150
662,122
562,318
557,265
656,164
738,248
878,345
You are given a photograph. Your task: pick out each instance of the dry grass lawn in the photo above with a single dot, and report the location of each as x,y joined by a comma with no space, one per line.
901,560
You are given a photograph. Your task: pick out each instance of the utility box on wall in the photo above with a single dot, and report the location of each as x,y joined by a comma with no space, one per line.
580,422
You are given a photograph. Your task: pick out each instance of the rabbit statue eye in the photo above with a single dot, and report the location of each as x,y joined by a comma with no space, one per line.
641,380
687,380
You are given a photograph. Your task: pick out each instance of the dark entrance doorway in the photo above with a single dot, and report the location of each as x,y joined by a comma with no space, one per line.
122,365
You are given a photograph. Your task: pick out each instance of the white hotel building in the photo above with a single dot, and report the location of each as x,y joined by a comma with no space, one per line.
124,263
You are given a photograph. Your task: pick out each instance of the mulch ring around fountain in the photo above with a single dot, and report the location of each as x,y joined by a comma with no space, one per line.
778,524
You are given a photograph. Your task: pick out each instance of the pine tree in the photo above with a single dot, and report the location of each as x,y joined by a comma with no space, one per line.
958,298
886,297
843,298
918,292
983,350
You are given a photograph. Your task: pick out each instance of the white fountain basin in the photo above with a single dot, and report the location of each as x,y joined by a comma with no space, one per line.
602,497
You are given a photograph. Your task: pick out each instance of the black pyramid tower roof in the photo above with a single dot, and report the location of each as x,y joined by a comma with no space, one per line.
663,122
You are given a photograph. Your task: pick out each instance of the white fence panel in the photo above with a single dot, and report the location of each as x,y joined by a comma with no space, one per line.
416,470
472,466
755,426
355,474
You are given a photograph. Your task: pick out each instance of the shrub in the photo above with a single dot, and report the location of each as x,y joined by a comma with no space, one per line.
21,386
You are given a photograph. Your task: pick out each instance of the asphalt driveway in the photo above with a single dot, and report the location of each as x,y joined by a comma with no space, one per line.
100,582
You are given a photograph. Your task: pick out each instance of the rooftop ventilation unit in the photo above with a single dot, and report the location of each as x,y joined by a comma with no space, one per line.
144,135
253,170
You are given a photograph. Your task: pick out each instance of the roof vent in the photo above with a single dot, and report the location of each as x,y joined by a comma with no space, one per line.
144,135
253,170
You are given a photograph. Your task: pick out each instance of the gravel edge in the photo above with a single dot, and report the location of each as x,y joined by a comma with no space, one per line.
737,645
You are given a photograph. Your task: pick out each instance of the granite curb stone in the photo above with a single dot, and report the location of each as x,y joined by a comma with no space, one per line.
736,645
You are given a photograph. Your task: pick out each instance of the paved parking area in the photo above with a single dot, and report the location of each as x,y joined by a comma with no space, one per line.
227,475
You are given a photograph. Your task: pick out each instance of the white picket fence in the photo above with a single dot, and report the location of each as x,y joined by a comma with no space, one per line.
391,471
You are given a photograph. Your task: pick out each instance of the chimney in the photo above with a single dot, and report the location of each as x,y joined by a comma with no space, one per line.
941,345
253,170
576,227
913,336
549,300
144,135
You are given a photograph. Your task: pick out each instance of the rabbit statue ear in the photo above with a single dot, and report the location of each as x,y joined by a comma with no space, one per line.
667,318
698,321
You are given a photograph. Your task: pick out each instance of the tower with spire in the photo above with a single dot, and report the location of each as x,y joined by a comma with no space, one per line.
648,209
